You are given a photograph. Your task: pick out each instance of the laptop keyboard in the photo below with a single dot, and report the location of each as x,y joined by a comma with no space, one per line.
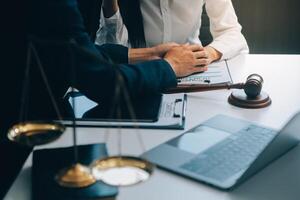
232,154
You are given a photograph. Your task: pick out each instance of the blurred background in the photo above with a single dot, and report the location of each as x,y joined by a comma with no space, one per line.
270,26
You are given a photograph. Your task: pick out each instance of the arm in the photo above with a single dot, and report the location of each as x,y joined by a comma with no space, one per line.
141,54
111,27
141,78
144,77
95,74
151,53
98,77
226,31
111,53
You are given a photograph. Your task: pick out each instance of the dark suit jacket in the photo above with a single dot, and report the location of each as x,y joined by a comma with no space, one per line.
95,69
61,20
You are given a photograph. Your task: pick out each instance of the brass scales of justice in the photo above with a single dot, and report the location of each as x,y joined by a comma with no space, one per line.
116,170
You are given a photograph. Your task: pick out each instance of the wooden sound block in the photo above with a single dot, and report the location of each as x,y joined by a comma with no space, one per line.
240,99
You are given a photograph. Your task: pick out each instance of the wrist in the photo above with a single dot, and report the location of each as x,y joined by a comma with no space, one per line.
155,52
172,63
151,53
142,54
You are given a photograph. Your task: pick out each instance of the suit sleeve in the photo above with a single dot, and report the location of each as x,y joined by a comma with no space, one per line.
98,77
113,53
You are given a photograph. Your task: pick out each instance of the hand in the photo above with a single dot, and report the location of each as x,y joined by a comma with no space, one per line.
161,49
212,54
187,59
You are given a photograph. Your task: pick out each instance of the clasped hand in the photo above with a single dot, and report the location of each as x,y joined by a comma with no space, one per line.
186,59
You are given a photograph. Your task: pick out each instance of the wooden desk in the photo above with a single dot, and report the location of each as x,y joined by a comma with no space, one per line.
280,180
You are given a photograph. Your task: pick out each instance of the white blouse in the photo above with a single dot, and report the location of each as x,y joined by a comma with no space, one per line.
180,21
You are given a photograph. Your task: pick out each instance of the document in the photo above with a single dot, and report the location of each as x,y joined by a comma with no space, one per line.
217,72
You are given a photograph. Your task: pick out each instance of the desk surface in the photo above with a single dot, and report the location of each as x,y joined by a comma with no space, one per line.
280,180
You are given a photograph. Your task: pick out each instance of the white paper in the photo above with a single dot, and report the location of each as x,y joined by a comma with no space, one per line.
217,72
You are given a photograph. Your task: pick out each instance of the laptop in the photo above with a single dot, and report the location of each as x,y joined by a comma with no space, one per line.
225,151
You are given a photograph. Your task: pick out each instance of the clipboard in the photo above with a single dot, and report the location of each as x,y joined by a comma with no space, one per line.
169,113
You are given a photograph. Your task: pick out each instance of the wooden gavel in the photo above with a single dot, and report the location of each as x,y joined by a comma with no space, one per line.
252,87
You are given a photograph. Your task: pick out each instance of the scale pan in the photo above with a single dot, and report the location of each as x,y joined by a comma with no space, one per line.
122,170
35,133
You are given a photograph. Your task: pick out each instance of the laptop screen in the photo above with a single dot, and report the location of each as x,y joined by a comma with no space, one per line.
199,139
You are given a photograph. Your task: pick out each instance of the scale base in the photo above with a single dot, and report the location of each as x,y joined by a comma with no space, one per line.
240,99
76,176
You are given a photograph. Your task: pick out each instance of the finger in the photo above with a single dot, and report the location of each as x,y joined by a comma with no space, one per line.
202,62
195,47
174,44
200,54
185,45
200,69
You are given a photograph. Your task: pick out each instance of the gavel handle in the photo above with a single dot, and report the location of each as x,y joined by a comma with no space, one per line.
188,88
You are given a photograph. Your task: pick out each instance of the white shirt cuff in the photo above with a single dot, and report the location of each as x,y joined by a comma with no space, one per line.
111,20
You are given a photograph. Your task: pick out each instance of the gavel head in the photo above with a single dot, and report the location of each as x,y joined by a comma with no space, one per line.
253,85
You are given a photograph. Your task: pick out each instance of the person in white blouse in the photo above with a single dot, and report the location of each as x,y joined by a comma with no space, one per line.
147,23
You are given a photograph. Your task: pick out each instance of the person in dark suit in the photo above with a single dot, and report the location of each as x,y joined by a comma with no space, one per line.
55,28
61,20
